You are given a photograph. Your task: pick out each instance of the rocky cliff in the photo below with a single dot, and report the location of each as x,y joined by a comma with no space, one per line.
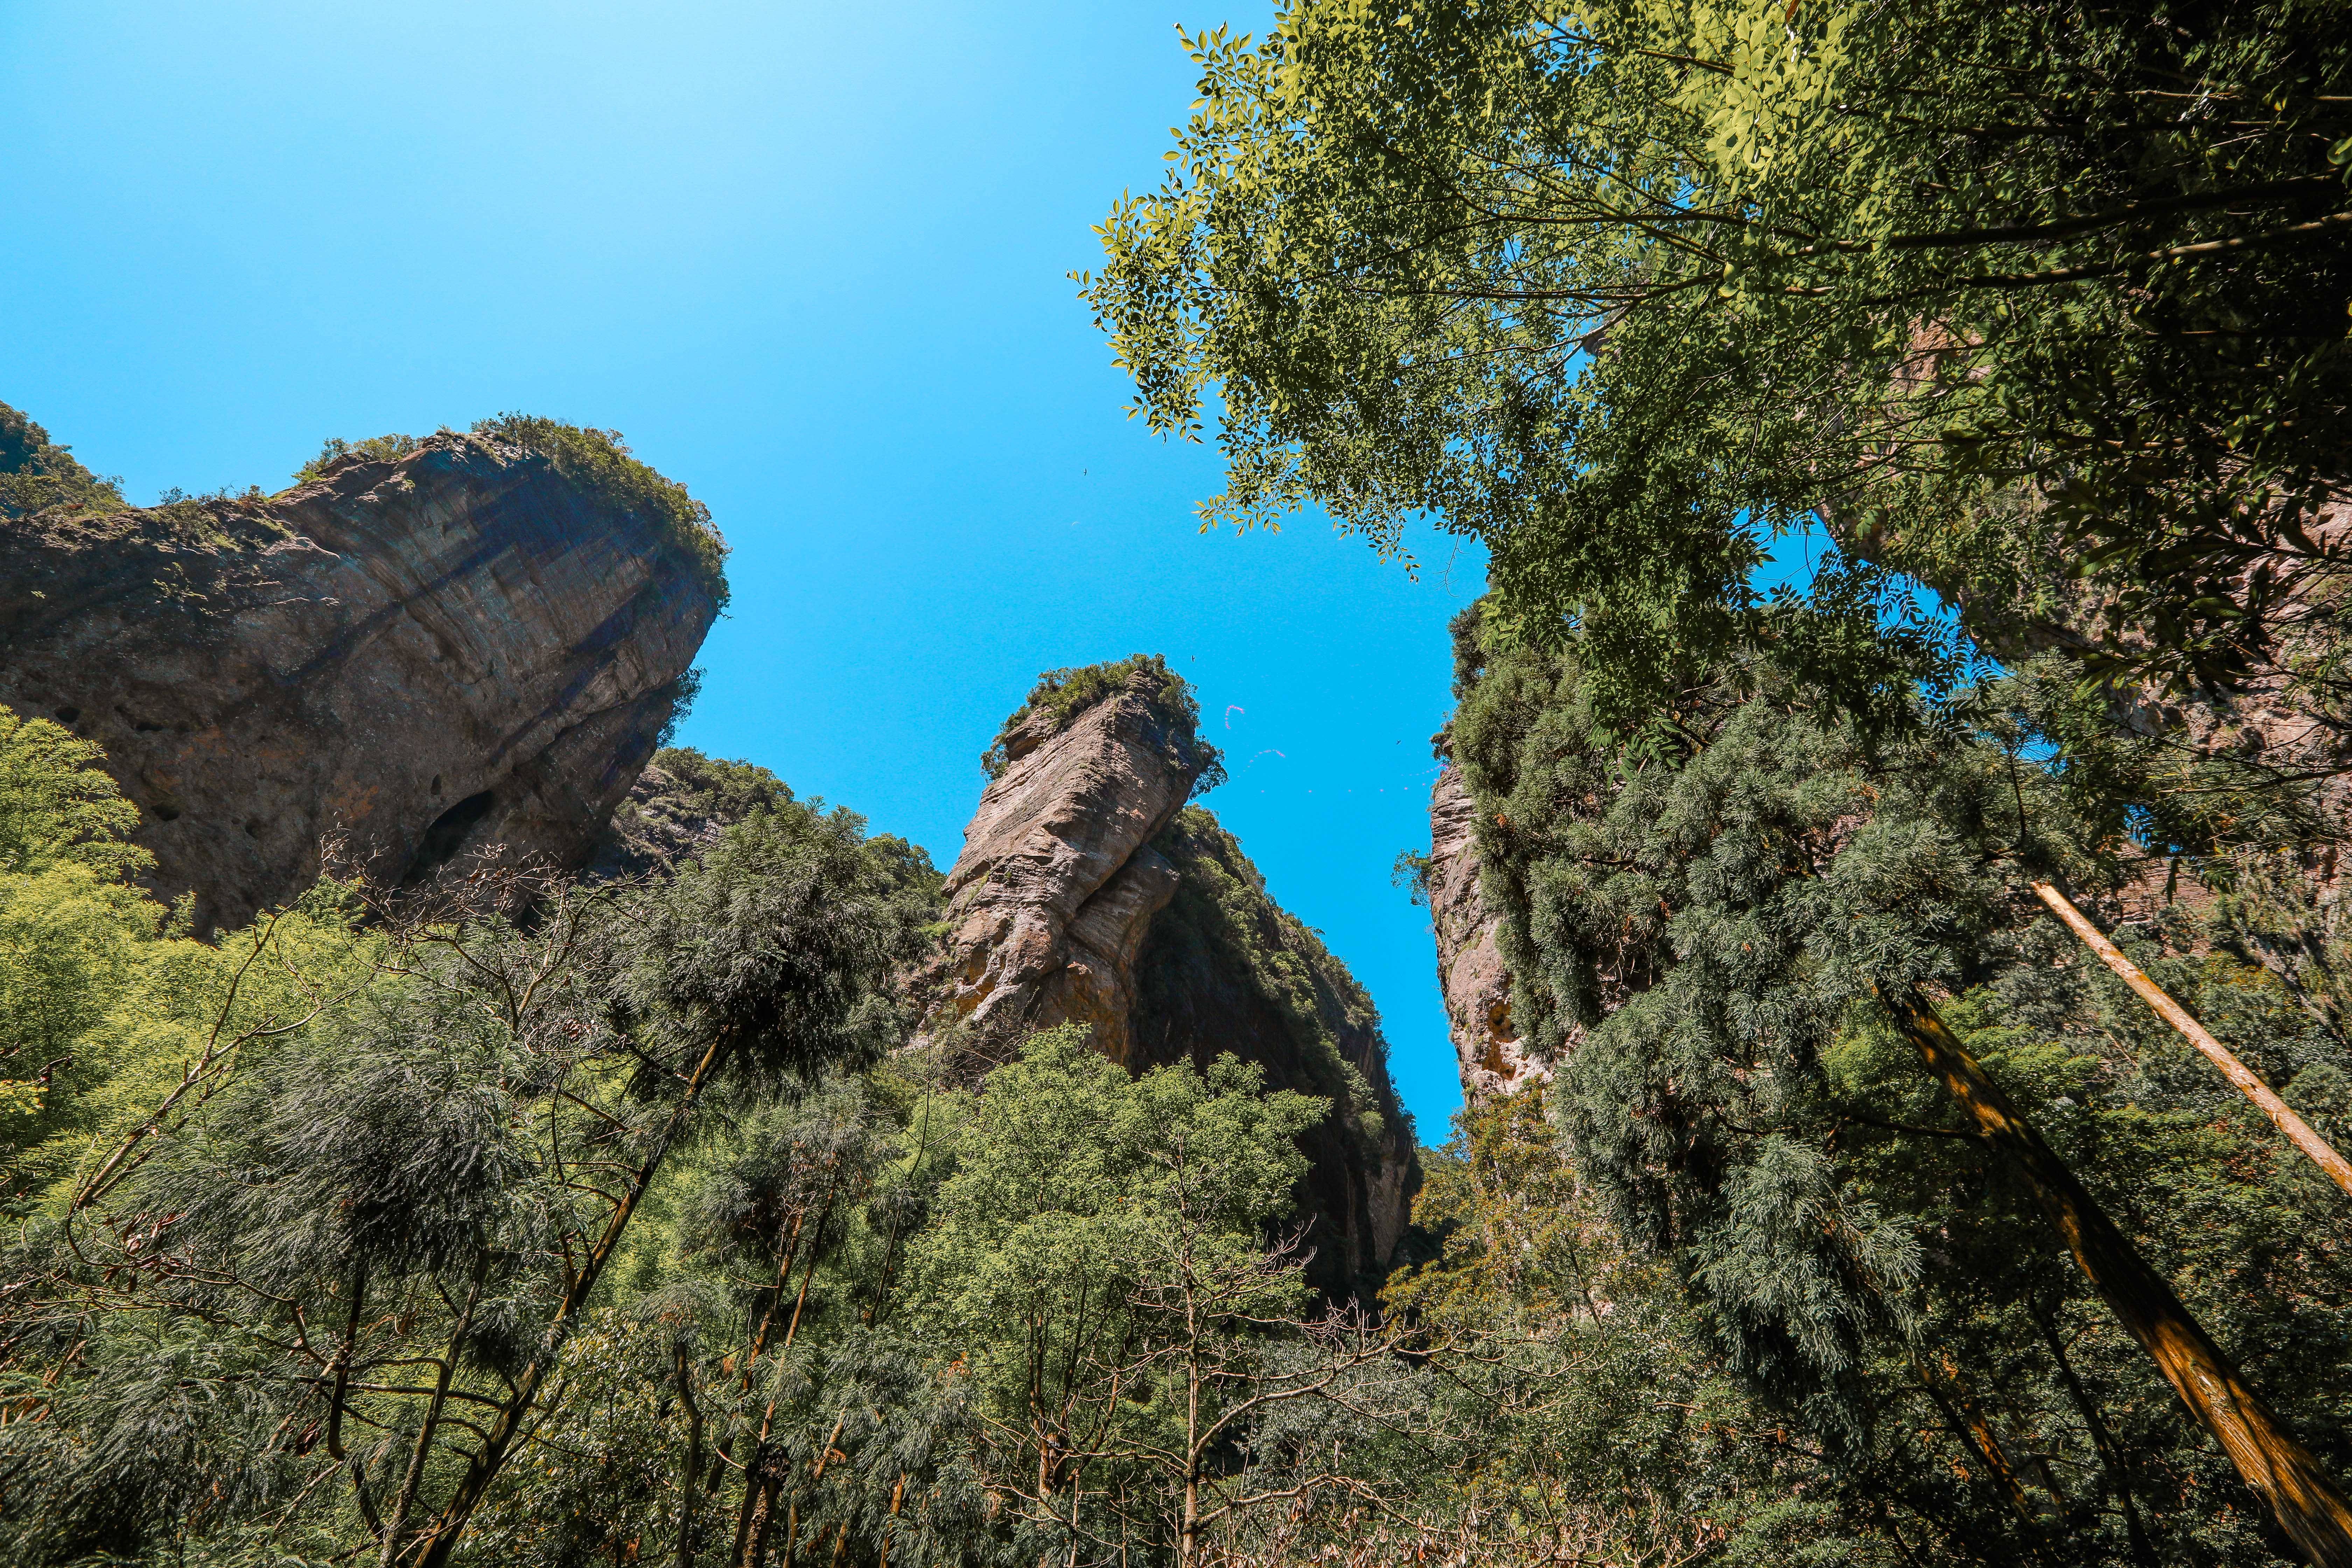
425,647
1470,969
1088,891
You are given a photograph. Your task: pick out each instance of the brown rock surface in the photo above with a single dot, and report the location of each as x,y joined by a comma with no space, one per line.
455,647
1088,891
1470,969
1057,883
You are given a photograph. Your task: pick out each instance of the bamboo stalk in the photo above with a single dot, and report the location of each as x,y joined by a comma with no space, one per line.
2300,1495
2298,1131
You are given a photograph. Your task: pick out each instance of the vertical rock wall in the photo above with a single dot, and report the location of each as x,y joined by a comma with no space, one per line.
1088,891
1470,968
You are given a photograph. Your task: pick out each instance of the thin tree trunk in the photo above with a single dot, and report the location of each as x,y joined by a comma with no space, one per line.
1968,1424
343,1354
491,1456
758,1344
2298,1131
693,1458
897,1494
759,1500
406,1498
1188,1545
2301,1496
2110,1452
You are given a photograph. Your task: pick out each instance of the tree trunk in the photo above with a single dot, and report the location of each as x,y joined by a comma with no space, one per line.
2111,1454
491,1456
2301,1496
693,1457
406,1499
2242,1077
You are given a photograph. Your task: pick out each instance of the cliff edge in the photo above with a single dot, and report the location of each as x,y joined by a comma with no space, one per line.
422,648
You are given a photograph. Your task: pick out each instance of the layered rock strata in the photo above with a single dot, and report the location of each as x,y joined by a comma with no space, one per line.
1470,973
417,656
1088,891
1058,881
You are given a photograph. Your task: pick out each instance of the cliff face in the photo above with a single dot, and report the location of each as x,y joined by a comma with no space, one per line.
1088,893
1222,967
464,645
1470,969
1057,883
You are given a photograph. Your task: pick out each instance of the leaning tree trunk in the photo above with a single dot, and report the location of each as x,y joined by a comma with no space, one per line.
2300,1495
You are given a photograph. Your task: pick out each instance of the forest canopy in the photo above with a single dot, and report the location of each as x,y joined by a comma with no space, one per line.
2040,306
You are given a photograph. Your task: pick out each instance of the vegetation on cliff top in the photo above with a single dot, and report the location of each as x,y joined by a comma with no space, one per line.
37,474
598,461
1061,695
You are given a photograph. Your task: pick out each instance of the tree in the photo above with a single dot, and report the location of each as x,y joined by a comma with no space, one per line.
358,1236
2040,304
1707,944
1100,1262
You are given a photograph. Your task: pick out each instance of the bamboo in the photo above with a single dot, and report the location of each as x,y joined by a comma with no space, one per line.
2298,1131
2301,1496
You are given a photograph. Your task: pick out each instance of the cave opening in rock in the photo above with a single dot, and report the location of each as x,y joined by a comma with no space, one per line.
447,835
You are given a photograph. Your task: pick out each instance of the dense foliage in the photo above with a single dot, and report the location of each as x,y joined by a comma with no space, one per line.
1699,944
2043,304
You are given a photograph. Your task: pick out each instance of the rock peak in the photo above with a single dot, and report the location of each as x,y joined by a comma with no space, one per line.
1089,891
425,647
1058,881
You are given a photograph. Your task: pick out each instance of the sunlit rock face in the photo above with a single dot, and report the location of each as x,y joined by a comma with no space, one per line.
415,658
1088,891
1057,883
1470,968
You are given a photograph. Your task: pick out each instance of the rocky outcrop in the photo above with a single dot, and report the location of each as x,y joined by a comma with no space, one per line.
1058,883
1470,969
1088,891
678,808
475,640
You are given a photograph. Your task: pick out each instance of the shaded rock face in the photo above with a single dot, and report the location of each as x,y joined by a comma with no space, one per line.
1225,968
680,806
1470,970
454,649
1088,893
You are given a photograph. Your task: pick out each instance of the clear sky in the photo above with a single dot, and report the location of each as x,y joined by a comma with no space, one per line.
811,260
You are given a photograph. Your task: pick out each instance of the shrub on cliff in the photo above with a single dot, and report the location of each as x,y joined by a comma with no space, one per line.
598,461
1061,695
37,474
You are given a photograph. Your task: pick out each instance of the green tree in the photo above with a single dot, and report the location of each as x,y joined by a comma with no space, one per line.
2041,304
1706,945
356,1237
1100,1262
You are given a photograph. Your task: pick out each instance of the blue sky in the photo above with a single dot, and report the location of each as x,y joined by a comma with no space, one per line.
812,264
